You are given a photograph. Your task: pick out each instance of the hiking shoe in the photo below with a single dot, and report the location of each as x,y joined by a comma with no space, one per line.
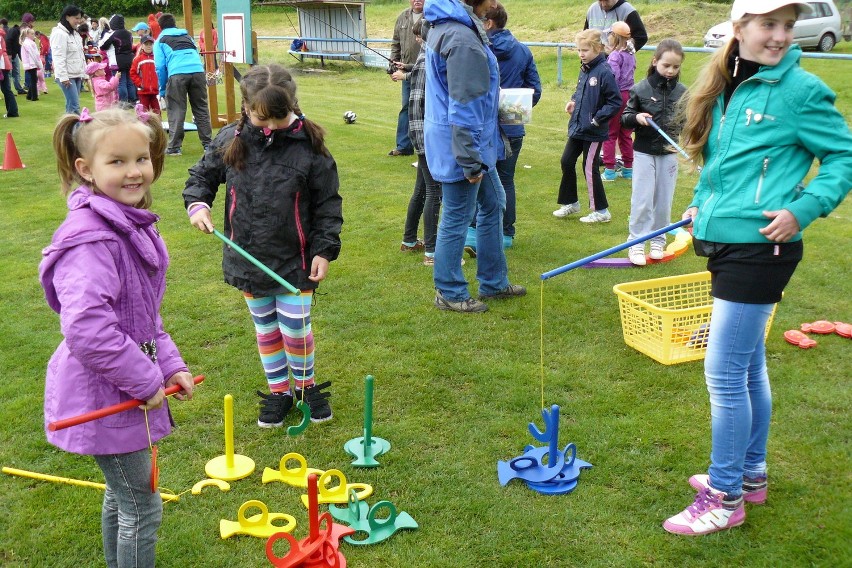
597,217
754,490
627,173
471,252
609,175
317,401
710,512
657,250
510,291
636,254
416,247
566,210
173,152
273,408
428,260
468,306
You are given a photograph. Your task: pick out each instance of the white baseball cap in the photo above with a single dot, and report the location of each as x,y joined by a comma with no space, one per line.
759,7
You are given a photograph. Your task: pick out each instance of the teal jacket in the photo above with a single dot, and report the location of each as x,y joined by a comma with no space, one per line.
761,148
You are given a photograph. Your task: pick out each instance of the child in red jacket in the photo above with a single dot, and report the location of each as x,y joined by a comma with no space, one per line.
144,75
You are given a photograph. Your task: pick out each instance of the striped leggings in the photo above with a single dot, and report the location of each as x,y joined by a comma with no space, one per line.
284,338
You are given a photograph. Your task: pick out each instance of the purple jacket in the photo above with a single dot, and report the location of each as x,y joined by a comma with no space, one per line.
623,65
104,274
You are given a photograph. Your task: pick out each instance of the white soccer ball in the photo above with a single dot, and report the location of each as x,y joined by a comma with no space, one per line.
349,117
160,3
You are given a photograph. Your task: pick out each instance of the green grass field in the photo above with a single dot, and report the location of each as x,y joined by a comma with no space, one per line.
454,393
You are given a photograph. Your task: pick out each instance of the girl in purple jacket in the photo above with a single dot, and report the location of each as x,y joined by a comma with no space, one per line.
622,61
104,274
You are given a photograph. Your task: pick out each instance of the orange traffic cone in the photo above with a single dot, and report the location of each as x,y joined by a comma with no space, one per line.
11,158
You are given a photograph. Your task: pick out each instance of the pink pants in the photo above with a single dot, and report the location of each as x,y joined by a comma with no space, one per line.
620,134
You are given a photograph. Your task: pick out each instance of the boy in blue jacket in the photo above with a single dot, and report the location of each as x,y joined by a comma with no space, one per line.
596,100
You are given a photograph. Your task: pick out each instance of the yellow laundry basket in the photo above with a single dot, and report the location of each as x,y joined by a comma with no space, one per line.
667,319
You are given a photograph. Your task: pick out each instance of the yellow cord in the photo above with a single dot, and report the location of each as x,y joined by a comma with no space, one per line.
541,339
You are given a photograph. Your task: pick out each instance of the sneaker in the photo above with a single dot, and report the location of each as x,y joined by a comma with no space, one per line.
273,408
754,490
468,306
636,254
597,217
609,175
417,247
428,260
566,210
317,400
471,252
173,152
711,511
657,250
510,291
397,152
627,173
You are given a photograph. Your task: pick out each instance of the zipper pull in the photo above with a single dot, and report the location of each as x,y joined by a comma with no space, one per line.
765,165
749,112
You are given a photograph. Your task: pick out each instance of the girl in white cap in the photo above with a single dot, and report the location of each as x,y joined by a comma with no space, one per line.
756,121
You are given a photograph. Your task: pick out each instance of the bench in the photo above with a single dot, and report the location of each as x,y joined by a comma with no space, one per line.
322,55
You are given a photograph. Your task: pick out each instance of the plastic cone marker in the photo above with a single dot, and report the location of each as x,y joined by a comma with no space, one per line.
11,158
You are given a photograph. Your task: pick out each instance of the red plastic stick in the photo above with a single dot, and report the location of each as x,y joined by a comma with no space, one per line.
313,507
110,410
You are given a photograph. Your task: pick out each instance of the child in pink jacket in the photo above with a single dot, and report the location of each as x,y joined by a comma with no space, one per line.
106,91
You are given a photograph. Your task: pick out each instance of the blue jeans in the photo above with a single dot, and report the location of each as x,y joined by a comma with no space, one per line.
72,95
740,397
426,201
131,514
16,73
506,171
460,202
403,142
126,88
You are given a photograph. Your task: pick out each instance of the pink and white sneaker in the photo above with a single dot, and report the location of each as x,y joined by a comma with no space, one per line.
709,513
754,490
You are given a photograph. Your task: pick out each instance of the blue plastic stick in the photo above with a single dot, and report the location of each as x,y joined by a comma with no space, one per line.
257,263
613,250
667,137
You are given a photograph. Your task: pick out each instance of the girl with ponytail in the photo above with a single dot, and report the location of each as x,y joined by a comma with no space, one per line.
282,206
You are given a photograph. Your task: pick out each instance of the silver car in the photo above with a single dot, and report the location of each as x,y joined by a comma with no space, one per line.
820,29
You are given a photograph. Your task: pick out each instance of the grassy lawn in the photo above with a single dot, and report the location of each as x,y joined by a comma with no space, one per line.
454,393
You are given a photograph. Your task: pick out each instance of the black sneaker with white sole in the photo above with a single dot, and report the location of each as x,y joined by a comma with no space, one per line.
317,400
273,408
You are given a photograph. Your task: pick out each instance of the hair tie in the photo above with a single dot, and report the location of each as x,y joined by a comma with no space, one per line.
142,114
85,116
236,132
301,117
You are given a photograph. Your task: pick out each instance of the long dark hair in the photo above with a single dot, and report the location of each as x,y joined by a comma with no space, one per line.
662,48
269,90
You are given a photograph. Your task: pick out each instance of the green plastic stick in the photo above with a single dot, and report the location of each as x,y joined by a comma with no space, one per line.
368,416
257,263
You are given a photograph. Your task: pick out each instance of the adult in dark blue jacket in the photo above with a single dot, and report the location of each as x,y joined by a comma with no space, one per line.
596,100
121,40
181,75
517,70
463,144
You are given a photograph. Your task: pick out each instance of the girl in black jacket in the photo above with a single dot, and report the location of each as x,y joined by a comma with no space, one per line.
121,40
655,161
282,206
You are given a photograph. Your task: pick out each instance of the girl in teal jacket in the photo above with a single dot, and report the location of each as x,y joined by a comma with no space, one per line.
756,121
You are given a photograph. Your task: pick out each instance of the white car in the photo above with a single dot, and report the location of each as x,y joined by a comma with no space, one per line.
820,29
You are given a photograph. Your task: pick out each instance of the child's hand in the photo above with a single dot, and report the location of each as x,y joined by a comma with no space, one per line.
569,108
319,269
690,214
118,74
642,118
186,383
155,401
202,221
783,227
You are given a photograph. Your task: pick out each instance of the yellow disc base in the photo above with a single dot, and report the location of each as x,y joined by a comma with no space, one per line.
217,468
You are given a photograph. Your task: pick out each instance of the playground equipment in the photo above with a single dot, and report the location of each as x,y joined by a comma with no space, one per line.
229,466
297,477
378,523
367,447
329,493
261,525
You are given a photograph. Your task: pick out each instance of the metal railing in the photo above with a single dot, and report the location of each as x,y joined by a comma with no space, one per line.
559,47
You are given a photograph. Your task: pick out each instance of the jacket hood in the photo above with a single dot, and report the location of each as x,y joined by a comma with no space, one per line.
116,22
122,219
437,11
173,32
502,43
